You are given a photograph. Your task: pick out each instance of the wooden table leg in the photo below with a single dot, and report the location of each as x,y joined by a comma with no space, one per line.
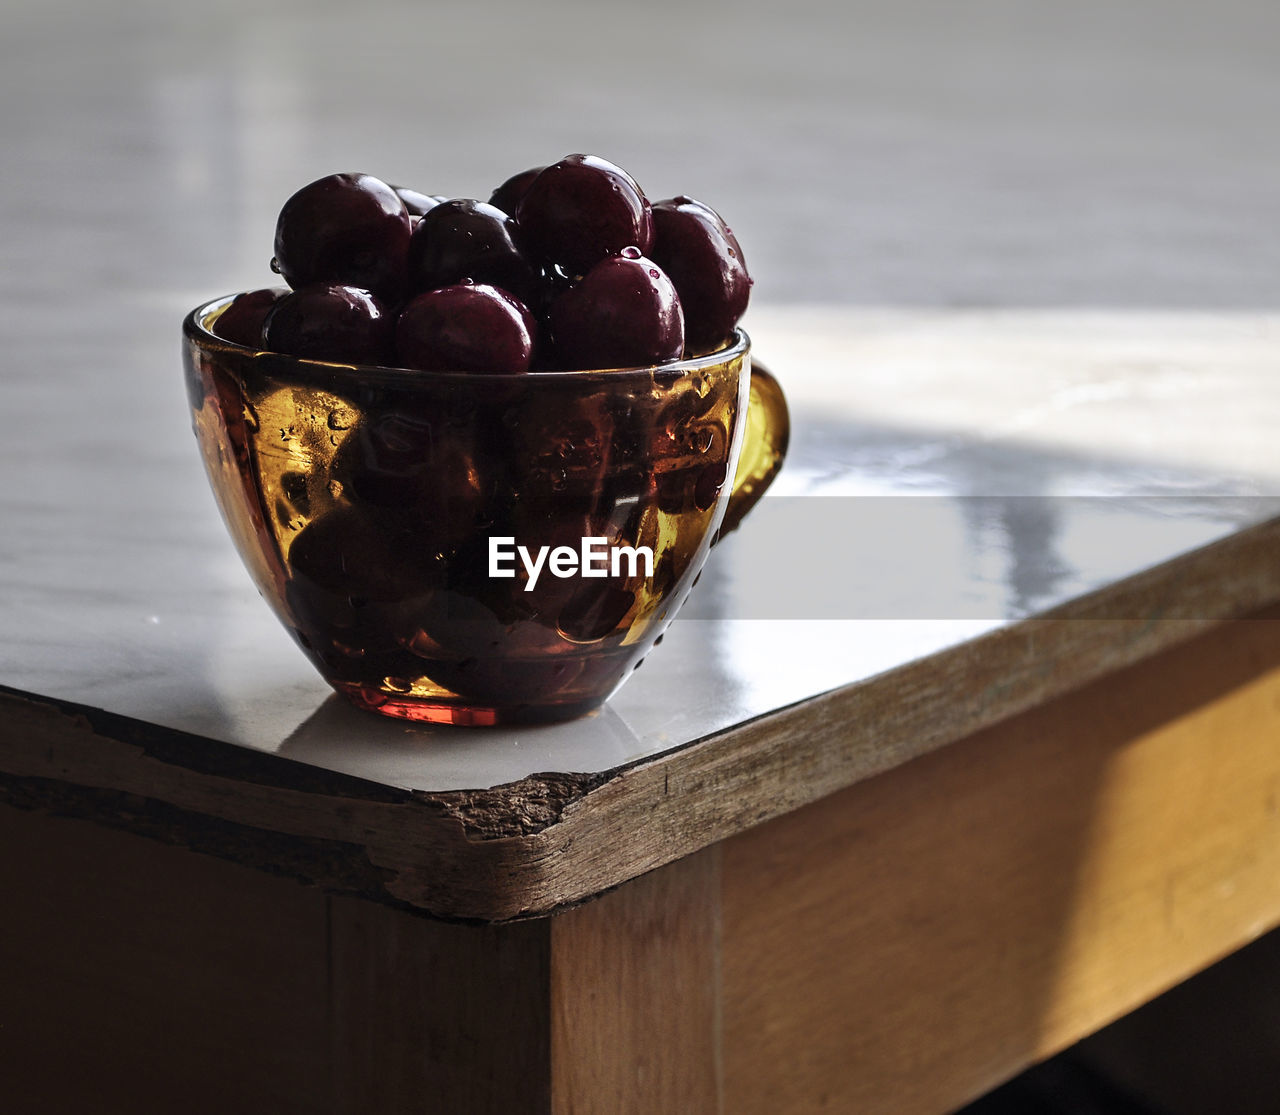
906,944
140,978
635,996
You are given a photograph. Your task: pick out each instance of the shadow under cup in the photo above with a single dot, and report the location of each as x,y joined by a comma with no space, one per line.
381,512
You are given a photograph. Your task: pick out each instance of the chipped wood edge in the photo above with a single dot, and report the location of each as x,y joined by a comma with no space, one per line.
530,848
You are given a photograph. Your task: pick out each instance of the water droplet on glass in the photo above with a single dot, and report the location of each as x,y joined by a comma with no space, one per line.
342,418
630,252
294,486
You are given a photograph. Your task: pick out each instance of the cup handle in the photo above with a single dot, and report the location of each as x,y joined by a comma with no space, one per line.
764,444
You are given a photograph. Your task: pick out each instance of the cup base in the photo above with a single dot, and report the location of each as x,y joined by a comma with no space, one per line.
460,713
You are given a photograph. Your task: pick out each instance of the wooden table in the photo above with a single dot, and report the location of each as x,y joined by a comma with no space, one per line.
966,743
1000,832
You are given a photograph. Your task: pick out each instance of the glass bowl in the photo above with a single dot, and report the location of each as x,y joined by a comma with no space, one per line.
477,549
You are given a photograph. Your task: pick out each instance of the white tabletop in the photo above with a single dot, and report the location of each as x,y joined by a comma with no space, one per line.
952,469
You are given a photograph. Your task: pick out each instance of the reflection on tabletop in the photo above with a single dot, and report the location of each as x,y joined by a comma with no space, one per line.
339,737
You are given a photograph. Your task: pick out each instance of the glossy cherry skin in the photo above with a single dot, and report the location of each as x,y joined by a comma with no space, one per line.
465,239
416,203
625,313
507,196
466,328
419,464
580,210
351,229
241,322
357,581
325,321
699,252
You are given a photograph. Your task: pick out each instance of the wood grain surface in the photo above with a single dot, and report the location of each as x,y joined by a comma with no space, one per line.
635,996
907,943
435,1017
142,979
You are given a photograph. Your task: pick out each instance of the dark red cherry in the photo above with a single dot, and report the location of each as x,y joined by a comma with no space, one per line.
419,467
466,328
417,204
325,321
561,442
241,322
624,313
701,255
551,283
349,552
356,584
507,196
465,239
351,229
582,209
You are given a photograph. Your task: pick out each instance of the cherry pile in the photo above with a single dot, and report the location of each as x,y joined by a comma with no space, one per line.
564,267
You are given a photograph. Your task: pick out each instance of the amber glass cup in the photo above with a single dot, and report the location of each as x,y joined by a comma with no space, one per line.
380,512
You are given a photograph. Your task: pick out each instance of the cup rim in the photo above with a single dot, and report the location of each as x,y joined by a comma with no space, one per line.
324,371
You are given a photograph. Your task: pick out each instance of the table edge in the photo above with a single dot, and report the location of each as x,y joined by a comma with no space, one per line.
553,840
